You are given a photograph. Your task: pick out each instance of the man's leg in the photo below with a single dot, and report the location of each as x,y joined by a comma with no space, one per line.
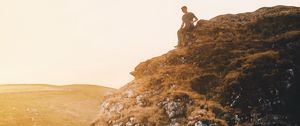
188,34
180,36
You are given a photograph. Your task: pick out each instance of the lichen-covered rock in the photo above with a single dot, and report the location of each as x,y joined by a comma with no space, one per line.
241,69
175,109
141,100
129,93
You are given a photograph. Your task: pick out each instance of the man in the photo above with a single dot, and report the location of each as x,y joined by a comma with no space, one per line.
188,20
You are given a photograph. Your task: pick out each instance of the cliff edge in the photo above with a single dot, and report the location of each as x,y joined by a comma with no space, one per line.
241,69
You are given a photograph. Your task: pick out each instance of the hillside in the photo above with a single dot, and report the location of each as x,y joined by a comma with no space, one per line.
48,105
241,69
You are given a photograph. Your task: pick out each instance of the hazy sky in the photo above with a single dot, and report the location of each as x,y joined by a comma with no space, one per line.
95,41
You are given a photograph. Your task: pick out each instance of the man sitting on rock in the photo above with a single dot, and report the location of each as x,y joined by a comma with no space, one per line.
188,20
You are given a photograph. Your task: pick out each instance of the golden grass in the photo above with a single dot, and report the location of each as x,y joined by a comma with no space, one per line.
45,105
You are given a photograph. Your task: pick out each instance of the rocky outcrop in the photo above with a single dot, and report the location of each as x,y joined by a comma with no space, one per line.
241,69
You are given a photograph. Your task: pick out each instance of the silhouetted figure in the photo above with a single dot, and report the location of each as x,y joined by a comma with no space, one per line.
188,20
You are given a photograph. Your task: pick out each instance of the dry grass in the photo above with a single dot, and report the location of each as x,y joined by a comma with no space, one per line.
45,105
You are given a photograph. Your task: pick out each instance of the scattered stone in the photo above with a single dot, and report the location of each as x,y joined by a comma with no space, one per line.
206,123
129,93
118,124
175,109
116,108
141,101
104,106
199,123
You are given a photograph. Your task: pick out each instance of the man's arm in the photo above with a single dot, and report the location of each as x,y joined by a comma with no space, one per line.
196,19
182,24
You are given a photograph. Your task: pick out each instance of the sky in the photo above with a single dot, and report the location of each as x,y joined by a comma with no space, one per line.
95,41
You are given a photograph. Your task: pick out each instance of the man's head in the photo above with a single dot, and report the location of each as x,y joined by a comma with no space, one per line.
184,9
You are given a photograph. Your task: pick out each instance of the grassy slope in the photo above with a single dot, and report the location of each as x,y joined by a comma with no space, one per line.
46,105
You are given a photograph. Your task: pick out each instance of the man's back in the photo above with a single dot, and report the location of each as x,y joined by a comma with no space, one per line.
188,17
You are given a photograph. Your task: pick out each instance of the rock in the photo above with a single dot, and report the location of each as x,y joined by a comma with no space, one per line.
176,121
116,108
206,123
129,93
104,106
238,69
131,122
175,109
289,78
199,123
118,124
141,100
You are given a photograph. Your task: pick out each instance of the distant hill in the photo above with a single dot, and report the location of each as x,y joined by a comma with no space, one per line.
48,105
234,70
